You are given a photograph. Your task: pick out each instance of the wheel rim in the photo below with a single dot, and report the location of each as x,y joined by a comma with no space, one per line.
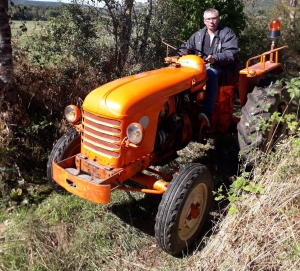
193,212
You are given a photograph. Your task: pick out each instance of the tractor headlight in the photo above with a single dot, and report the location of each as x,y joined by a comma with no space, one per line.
135,133
72,113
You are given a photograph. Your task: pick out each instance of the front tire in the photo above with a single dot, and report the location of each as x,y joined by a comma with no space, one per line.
254,141
184,208
67,146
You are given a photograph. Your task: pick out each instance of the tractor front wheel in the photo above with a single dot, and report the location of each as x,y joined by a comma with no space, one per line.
67,146
184,208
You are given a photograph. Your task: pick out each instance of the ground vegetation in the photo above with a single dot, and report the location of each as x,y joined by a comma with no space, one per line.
59,63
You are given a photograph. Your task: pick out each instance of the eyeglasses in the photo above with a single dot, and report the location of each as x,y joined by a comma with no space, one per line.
214,19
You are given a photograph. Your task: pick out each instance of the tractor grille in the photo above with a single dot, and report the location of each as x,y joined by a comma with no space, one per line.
101,135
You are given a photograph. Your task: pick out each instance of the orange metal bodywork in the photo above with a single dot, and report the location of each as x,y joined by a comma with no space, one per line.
97,193
251,75
129,99
102,181
107,158
130,96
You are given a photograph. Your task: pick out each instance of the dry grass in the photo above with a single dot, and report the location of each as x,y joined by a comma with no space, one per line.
265,233
68,233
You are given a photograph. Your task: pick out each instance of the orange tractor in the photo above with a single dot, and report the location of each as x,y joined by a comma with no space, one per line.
127,126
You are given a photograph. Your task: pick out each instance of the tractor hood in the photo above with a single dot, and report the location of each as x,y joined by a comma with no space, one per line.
126,96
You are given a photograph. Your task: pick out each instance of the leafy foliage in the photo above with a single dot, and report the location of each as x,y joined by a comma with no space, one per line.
191,15
253,39
293,87
72,36
32,12
241,183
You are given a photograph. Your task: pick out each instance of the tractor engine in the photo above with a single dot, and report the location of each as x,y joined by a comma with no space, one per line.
174,129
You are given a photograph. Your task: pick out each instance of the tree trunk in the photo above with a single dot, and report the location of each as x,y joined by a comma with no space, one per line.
293,4
125,35
120,13
7,92
145,35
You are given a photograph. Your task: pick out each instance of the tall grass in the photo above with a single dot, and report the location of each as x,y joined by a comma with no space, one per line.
265,233
68,233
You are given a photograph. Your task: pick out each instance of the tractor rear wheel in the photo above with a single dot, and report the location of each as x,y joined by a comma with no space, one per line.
260,105
184,208
67,146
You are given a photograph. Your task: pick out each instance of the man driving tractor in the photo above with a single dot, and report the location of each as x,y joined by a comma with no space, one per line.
219,47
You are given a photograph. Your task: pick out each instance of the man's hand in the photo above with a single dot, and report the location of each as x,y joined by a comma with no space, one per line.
210,59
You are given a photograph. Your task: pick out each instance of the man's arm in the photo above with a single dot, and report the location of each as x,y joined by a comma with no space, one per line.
229,49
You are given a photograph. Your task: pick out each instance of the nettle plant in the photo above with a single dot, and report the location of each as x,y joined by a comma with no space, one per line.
271,122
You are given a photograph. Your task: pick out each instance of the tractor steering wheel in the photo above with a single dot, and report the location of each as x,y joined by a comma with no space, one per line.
182,51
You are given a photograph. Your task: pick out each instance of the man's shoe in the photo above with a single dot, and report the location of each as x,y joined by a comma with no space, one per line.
206,117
